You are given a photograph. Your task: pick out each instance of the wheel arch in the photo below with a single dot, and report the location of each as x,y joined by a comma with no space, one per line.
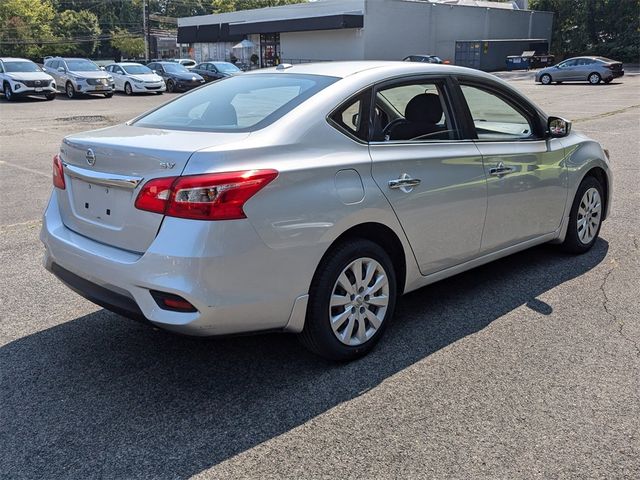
599,174
383,236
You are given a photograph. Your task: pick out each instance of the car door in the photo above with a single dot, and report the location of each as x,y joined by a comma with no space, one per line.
526,172
52,69
567,71
433,179
119,76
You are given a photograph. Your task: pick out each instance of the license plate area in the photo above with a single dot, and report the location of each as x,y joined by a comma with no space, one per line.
100,204
38,89
100,87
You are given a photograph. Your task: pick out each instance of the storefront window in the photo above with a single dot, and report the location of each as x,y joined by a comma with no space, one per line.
269,49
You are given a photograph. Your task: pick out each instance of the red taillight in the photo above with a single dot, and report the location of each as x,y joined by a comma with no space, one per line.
214,196
58,173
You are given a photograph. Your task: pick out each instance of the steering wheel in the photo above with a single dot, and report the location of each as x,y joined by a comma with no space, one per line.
390,125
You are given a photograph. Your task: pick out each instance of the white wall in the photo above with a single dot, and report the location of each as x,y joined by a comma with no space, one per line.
347,44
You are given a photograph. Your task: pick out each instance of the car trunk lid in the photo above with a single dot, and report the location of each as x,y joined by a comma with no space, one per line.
105,169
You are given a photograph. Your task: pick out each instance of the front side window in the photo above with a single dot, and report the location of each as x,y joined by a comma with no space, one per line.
493,117
413,112
242,103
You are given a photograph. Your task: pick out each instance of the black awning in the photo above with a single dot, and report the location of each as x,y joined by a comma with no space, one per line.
330,22
187,34
208,33
227,36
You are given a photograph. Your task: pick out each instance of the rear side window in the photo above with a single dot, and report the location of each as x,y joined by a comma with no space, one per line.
493,117
353,117
238,104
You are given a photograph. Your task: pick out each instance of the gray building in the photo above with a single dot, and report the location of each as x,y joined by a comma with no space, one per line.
327,30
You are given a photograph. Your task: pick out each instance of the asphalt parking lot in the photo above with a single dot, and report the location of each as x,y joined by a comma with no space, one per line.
528,367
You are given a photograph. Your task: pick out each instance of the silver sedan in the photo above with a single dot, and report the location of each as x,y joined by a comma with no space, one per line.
581,69
307,198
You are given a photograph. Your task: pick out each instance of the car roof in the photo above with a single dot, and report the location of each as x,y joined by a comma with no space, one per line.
382,68
14,59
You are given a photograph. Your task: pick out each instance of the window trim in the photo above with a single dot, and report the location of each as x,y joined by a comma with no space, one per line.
450,100
534,116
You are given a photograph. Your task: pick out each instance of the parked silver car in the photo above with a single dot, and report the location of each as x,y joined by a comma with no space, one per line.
78,75
307,198
581,69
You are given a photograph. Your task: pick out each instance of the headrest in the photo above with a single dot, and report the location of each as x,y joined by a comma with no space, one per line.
424,108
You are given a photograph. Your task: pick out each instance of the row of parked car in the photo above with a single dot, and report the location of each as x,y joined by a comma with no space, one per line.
80,76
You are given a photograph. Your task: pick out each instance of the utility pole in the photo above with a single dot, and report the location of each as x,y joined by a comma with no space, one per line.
145,30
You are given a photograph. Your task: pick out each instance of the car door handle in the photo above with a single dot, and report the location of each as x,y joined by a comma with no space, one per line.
500,170
404,183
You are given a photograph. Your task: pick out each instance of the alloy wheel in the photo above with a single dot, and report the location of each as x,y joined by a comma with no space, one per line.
589,215
70,91
594,79
7,92
545,79
127,89
359,301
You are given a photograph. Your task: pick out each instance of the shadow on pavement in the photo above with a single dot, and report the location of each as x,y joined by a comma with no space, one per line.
103,396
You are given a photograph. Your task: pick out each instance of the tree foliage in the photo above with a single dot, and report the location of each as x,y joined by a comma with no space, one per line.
80,29
610,28
24,26
129,44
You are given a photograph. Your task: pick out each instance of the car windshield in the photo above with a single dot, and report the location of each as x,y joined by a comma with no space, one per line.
136,69
82,66
174,68
241,103
226,67
21,67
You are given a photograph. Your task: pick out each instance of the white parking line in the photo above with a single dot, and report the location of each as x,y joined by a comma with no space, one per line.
20,167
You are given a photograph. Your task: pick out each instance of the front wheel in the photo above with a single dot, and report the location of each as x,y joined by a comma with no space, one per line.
127,89
108,95
545,79
71,92
594,78
171,86
8,94
585,218
351,301
50,96
608,80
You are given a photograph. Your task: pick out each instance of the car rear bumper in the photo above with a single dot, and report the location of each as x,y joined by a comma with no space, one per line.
213,267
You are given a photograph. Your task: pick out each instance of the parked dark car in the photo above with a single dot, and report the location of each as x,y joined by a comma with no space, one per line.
211,71
423,59
176,77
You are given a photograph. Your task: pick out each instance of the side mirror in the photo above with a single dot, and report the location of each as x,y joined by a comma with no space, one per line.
154,71
61,69
102,68
44,69
558,127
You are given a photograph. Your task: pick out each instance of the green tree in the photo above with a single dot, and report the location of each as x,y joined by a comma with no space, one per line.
25,27
80,29
129,44
221,6
609,28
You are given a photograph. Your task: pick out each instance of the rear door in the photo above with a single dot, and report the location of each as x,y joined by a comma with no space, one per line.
526,172
434,181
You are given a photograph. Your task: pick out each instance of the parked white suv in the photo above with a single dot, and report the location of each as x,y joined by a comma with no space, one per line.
19,76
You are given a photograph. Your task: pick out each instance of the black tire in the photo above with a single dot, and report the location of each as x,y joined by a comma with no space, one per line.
108,95
127,89
572,242
594,78
558,83
608,80
158,93
545,79
8,94
50,96
69,90
171,86
317,335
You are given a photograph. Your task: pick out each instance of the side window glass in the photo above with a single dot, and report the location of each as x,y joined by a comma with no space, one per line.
413,112
1,68
353,117
494,118
54,64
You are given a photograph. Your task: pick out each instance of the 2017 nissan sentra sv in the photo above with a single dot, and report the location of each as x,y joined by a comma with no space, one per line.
306,199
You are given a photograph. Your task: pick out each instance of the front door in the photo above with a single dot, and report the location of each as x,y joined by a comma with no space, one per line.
434,181
526,173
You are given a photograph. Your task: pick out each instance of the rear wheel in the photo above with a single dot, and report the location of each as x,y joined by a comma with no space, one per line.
585,218
545,79
8,94
351,301
594,78
71,92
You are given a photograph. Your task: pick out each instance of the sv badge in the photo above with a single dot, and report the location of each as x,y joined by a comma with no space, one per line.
167,165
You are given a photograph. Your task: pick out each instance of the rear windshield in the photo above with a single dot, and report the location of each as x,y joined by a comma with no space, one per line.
241,103
21,67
